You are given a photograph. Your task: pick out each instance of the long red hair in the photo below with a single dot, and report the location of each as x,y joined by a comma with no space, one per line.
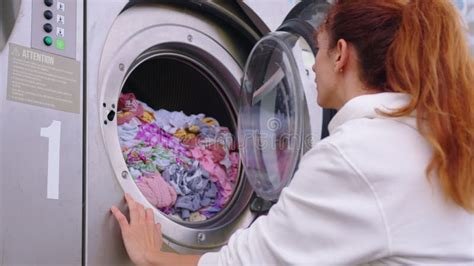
419,47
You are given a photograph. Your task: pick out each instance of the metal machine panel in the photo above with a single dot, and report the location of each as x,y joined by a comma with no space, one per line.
53,27
102,235
41,162
268,14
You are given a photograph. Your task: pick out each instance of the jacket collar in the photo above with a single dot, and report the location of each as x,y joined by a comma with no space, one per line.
365,106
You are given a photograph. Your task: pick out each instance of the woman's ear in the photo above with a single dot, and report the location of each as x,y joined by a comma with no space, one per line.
341,55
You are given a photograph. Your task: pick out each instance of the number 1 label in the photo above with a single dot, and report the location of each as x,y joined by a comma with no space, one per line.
53,133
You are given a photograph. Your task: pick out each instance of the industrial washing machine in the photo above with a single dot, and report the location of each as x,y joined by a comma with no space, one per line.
199,57
64,65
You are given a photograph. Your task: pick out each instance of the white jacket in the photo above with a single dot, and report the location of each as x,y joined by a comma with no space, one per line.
360,196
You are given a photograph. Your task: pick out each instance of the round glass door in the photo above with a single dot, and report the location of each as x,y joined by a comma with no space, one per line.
270,127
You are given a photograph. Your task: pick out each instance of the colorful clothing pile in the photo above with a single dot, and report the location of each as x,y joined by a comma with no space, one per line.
186,166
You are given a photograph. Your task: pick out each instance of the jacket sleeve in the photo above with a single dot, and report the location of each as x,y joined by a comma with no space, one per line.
328,215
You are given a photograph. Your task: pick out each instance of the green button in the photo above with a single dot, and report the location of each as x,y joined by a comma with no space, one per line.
48,40
60,44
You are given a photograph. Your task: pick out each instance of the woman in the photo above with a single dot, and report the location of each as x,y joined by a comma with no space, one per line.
394,181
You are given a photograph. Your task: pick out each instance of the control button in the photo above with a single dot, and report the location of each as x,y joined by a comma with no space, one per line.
48,2
60,32
60,19
48,14
61,6
48,27
60,44
48,40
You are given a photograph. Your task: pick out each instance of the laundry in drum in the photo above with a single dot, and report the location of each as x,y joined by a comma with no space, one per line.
184,165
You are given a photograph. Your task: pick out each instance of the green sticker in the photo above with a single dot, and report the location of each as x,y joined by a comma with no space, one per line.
60,44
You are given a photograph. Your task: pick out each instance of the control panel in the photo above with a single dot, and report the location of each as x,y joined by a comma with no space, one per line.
53,27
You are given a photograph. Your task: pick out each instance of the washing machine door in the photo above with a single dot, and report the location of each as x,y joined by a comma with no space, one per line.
271,114
277,79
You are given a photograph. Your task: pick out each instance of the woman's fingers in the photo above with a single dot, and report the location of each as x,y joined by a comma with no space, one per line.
121,219
140,236
149,216
132,206
141,213
158,234
137,211
158,227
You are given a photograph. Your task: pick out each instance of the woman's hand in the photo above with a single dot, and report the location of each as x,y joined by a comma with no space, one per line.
142,237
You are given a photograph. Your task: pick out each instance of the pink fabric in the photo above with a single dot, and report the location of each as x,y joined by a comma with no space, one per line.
157,191
217,152
130,108
128,102
233,171
213,152
197,153
216,171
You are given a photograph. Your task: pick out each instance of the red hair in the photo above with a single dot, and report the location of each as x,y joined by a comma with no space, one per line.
419,47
